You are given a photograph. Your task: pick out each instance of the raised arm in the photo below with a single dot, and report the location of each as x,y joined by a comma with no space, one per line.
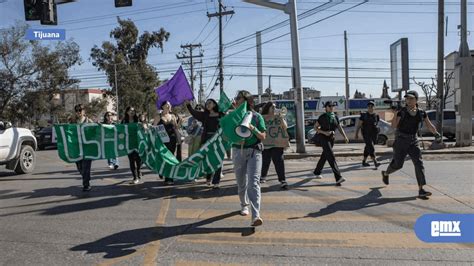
196,114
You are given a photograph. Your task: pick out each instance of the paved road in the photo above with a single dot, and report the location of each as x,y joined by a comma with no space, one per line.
45,218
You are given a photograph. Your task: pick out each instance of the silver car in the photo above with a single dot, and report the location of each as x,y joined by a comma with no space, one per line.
349,124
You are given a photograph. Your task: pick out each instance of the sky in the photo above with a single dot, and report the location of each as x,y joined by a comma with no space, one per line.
371,28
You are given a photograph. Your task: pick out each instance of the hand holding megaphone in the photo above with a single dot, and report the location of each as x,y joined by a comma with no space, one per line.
245,128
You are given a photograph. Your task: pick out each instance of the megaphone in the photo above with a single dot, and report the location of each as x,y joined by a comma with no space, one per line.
243,130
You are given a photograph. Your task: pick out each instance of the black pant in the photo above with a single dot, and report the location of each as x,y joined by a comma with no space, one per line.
84,168
171,145
403,146
275,155
370,139
216,176
135,164
327,155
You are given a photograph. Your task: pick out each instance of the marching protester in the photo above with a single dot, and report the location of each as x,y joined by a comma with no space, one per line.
247,158
325,131
368,122
170,121
113,163
194,130
272,151
84,165
407,122
210,124
134,158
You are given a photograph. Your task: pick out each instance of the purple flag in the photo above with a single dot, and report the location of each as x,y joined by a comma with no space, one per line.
176,90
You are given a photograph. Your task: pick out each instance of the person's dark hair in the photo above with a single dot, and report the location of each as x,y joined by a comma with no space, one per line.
266,107
129,119
163,103
106,115
216,107
248,98
78,107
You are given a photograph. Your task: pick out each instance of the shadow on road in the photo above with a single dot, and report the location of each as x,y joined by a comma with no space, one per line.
371,199
127,242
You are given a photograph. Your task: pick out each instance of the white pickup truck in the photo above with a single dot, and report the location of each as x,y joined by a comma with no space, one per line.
17,148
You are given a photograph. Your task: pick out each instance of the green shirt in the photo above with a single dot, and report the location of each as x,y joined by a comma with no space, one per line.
260,125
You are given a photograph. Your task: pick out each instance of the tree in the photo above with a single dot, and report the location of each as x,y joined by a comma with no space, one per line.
95,108
430,91
31,75
385,88
359,95
128,54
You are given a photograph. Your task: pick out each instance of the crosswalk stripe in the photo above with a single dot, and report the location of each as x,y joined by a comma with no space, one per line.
320,239
203,263
299,216
269,199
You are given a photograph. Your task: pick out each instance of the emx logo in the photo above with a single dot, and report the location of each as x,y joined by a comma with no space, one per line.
445,228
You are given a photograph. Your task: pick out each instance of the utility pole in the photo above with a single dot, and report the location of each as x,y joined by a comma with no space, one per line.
201,89
464,72
270,86
222,12
347,73
259,66
116,91
290,8
184,55
440,72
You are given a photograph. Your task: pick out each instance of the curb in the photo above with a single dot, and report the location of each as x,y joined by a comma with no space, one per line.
294,156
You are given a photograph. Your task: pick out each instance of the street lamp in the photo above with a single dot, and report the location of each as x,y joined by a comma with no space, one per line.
290,9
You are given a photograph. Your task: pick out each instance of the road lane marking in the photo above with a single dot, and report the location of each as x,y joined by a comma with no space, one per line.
320,239
340,216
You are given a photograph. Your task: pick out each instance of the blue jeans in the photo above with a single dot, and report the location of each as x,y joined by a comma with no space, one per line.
113,161
247,168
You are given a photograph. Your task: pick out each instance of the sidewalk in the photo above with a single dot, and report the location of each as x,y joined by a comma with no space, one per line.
357,149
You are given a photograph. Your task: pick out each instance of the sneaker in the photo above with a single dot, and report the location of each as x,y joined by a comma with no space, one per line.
263,180
385,177
111,166
340,180
423,193
116,167
215,186
222,175
169,183
377,164
284,185
135,181
318,177
365,164
257,222
244,211
86,188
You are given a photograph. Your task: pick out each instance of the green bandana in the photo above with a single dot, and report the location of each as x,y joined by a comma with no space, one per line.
332,117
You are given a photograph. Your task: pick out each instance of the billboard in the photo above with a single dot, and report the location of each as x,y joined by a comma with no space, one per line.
399,65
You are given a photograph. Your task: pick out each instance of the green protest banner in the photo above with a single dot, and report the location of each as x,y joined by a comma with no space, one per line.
224,103
276,135
98,141
95,141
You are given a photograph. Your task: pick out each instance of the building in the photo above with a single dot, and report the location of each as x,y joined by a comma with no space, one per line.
308,94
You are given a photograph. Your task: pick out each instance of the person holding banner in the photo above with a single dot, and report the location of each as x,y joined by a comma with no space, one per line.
194,130
134,158
84,165
247,158
325,131
210,124
170,122
275,143
113,163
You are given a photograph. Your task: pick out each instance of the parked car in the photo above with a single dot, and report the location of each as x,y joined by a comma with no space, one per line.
46,137
308,125
349,124
17,148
